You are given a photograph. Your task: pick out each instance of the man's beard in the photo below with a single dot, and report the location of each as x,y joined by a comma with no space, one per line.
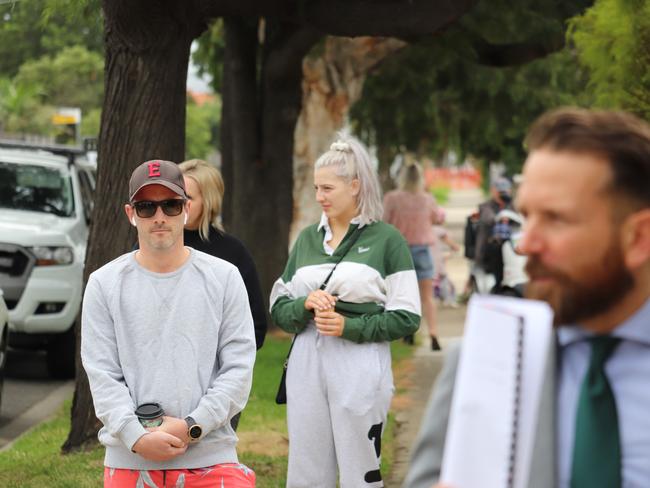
593,292
165,243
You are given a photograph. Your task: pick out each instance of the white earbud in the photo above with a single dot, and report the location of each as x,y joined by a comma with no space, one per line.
133,221
185,219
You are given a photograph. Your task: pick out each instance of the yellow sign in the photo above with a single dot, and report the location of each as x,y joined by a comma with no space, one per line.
67,116
60,119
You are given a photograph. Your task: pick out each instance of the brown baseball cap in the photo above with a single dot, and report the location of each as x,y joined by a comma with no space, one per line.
157,172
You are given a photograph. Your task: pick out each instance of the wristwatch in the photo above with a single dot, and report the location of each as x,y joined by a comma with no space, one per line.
194,430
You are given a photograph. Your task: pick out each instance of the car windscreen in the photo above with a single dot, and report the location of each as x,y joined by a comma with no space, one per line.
36,188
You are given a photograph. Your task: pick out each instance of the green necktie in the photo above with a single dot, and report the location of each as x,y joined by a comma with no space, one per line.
597,448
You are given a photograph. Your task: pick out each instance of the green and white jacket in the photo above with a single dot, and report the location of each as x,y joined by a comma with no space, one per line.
375,282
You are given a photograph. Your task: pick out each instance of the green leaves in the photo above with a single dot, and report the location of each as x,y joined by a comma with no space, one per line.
429,100
435,96
50,55
20,110
209,55
201,129
73,77
612,40
34,28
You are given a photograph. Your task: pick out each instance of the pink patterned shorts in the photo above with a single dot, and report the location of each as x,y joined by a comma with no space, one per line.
218,476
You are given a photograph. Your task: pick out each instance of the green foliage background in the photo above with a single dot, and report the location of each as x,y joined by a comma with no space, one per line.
34,28
612,40
51,55
433,98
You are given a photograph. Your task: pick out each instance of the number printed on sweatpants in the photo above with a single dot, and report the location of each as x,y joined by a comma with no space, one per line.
374,434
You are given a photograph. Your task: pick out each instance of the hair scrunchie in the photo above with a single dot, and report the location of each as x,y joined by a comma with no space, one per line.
340,146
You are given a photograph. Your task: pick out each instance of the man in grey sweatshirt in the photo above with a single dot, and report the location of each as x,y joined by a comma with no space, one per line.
170,325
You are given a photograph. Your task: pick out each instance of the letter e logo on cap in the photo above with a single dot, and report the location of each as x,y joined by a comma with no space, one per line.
154,169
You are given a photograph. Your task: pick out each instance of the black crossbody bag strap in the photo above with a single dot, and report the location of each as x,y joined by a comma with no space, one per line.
351,242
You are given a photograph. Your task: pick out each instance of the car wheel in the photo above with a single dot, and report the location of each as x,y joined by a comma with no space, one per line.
4,344
61,355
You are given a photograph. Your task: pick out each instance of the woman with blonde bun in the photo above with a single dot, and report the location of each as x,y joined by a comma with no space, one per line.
348,289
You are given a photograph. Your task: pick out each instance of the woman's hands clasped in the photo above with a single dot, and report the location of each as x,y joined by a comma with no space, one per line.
319,301
328,322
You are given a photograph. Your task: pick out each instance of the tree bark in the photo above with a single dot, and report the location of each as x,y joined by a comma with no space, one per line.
240,112
332,84
258,122
143,118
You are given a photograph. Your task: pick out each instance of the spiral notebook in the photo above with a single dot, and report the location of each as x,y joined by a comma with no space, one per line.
497,393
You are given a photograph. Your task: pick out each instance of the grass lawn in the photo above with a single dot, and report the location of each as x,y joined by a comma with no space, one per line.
35,460
441,193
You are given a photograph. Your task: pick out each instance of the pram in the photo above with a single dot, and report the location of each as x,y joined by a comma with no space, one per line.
510,275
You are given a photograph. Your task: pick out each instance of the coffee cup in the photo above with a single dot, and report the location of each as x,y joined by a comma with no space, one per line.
150,414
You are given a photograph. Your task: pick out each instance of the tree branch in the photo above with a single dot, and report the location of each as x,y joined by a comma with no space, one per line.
514,54
383,18
501,55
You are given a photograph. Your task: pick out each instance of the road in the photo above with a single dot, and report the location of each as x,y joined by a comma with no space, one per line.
29,395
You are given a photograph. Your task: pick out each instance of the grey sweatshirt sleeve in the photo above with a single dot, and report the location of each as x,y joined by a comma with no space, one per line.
228,393
113,403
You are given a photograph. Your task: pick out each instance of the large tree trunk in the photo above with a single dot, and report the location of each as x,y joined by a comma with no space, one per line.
332,83
239,114
143,118
259,118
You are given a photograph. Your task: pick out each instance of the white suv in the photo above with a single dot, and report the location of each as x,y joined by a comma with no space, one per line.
45,206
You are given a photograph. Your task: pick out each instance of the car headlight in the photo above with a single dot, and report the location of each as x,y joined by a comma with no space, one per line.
49,256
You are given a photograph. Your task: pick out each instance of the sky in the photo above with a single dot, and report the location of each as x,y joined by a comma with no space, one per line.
194,82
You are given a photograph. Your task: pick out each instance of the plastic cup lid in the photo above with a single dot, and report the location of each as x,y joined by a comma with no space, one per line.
149,411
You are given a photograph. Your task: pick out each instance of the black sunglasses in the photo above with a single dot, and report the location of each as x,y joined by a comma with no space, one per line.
146,208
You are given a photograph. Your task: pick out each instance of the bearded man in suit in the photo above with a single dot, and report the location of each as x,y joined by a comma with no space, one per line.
586,199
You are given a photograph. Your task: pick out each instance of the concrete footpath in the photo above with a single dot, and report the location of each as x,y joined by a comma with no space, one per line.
426,366
426,363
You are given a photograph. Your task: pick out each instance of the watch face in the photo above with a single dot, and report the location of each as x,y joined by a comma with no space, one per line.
195,431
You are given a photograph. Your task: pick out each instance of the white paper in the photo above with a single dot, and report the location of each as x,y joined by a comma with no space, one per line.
480,431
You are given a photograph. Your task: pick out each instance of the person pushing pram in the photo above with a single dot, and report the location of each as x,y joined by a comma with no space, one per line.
506,263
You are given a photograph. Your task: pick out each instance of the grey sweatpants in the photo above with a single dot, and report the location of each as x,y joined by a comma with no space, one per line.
338,395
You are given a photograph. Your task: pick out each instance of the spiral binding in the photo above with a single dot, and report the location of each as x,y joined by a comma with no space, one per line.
516,403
